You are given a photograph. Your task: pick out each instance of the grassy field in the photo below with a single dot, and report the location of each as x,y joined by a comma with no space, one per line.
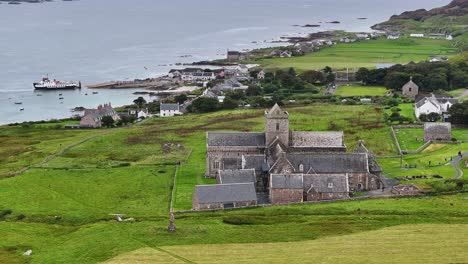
60,209
365,54
361,91
387,247
410,138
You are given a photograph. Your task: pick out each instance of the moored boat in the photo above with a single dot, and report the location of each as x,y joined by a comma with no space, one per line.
47,84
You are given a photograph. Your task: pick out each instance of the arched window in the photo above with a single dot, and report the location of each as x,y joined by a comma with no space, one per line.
277,126
410,89
301,167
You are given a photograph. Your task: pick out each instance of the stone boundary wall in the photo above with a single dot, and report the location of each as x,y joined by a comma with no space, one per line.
395,139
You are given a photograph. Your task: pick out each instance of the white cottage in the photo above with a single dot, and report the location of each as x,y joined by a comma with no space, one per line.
433,104
168,110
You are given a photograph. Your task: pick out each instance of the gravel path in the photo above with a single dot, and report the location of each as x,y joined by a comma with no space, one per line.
456,165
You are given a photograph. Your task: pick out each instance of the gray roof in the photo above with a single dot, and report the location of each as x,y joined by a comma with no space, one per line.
236,139
226,193
337,183
232,163
321,163
437,128
168,107
237,176
286,181
253,162
317,139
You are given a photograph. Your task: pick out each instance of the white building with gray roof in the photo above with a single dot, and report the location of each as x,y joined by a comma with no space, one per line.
169,110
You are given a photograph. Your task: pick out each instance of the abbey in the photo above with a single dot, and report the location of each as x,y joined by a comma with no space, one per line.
291,166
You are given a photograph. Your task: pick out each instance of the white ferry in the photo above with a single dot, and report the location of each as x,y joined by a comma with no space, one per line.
47,84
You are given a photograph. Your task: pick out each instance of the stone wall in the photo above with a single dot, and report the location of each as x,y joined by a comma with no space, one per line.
284,196
325,196
216,206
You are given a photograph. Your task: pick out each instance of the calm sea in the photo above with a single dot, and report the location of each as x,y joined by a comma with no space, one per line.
101,40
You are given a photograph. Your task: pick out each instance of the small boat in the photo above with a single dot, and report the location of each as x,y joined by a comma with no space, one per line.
60,94
21,109
39,95
60,98
86,94
95,92
18,103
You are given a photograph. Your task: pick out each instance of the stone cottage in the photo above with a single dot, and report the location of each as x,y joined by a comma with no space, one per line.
437,131
279,152
222,196
92,117
169,110
410,89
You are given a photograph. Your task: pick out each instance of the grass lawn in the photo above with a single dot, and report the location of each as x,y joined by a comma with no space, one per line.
407,110
437,154
60,209
415,246
407,138
361,91
365,54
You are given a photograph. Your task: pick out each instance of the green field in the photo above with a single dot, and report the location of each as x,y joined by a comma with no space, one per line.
361,91
410,138
366,54
60,208
387,247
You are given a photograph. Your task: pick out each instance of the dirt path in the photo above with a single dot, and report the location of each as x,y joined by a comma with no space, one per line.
456,165
465,93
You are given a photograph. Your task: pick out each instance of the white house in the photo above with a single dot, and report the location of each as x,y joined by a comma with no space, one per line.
393,36
362,36
418,35
449,37
433,104
438,59
286,54
143,113
198,76
168,110
261,75
242,68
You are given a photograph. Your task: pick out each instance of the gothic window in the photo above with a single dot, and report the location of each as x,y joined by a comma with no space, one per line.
410,89
301,168
330,185
216,165
277,126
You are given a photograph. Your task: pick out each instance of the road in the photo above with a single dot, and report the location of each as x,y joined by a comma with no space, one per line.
456,166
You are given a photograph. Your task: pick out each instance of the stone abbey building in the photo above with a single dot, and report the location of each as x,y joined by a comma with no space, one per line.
290,166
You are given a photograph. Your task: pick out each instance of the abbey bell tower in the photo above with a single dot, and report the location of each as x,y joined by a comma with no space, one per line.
277,125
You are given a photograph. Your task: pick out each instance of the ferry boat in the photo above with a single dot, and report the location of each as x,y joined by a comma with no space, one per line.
47,84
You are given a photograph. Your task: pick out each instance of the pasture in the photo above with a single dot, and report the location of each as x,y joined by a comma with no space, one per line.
365,54
352,90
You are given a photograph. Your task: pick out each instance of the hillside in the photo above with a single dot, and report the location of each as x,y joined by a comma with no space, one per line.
450,19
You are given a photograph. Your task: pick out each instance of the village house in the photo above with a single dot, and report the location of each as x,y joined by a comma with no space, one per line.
433,104
286,54
438,59
417,35
92,117
280,157
223,196
410,89
261,75
362,36
449,37
393,36
169,110
233,55
198,76
437,131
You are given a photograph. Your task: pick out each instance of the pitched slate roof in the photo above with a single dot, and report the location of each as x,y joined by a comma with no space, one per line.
337,183
232,163
168,107
437,128
317,139
237,176
255,162
226,193
236,139
321,163
286,181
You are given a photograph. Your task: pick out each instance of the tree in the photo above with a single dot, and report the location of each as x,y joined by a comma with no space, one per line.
230,103
363,75
396,80
313,77
204,104
330,78
181,98
140,102
459,113
253,90
433,117
327,70
107,121
423,118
